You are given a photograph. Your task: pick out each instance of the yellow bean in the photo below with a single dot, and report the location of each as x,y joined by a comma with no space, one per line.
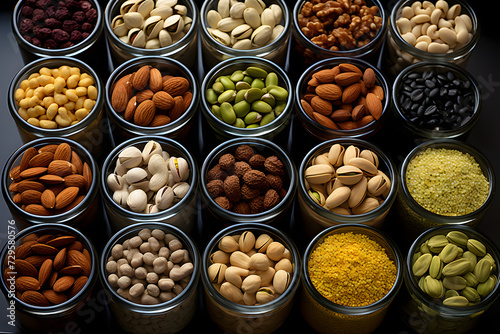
46,124
64,72
88,104
45,80
47,101
70,105
79,102
24,84
43,117
33,101
52,110
23,113
71,95
29,92
74,70
39,110
39,93
48,89
71,115
81,113
24,103
33,83
33,75
55,72
19,94
34,121
59,84
72,81
86,82
81,91
92,92
60,99
45,71
32,112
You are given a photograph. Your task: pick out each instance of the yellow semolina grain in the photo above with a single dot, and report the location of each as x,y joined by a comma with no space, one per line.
351,269
447,182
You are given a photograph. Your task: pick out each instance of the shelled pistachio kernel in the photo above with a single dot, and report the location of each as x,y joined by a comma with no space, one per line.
56,97
247,98
347,181
448,268
250,269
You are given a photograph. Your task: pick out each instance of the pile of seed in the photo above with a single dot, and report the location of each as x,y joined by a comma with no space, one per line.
436,101
446,182
351,269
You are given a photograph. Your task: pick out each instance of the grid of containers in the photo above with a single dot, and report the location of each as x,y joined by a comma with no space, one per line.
248,182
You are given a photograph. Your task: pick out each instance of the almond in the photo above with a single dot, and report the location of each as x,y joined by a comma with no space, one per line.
27,156
63,152
313,82
44,249
45,238
24,268
143,95
15,173
159,120
60,168
61,241
374,105
176,86
63,283
78,285
130,109
324,76
155,80
33,172
48,148
37,209
37,260
87,174
25,283
71,205
321,106
45,271
66,196
378,91
31,197
29,185
60,259
55,297
75,245
119,97
364,121
188,98
340,115
325,121
34,298
346,67
75,180
50,179
346,125
163,100
358,112
144,113
41,159
77,162
125,81
24,250
141,77
307,107
347,78
75,257
329,91
52,279
369,78
177,109
70,270
351,93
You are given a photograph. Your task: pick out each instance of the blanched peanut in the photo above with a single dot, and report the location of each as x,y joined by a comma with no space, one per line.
64,86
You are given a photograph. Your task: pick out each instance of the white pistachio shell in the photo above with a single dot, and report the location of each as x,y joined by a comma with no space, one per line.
277,11
243,44
261,35
143,7
377,185
164,38
227,24
319,174
152,147
277,30
351,152
267,18
168,3
174,24
220,36
336,155
213,18
179,169
358,193
137,200
153,26
252,17
164,12
255,4
236,10
118,26
223,8
115,182
180,189
188,22
241,32
180,9
133,20
137,37
135,175
125,7
366,166
349,175
164,198
368,204
337,197
152,44
130,157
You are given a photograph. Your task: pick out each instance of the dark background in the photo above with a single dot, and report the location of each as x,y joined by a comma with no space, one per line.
483,65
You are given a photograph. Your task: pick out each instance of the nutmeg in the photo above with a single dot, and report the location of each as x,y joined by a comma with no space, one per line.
273,165
232,188
240,168
274,181
216,173
257,161
257,204
226,162
254,178
215,188
224,202
244,152
271,199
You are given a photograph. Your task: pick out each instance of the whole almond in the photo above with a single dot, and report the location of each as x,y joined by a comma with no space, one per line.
34,298
329,91
37,259
29,185
126,82
63,152
45,271
55,297
75,180
369,77
324,76
70,270
60,259
176,86
33,172
163,100
119,97
143,95
48,148
325,121
159,120
77,162
351,93
374,105
367,119
27,156
75,257
31,197
378,91
87,174
78,285
71,205
155,80
61,241
24,268
50,179
63,283
307,107
24,283
130,109
66,196
144,113
24,250
41,159
45,238
37,209
177,109
140,78
321,106
43,249
60,168
347,78
346,125
188,98
340,115
346,67
358,112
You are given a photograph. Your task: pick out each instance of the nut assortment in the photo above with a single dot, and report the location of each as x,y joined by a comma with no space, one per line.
455,269
56,98
343,97
55,24
150,98
347,181
50,180
245,25
246,182
247,98
250,269
339,25
50,268
148,181
149,268
434,28
151,24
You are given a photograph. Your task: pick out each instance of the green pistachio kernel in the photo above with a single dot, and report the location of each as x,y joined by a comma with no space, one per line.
279,107
218,87
252,117
227,82
253,94
239,123
268,118
261,106
227,96
241,108
211,96
227,112
237,75
271,79
279,93
258,83
256,72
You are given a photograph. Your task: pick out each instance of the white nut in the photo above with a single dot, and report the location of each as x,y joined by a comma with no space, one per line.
137,200
164,198
159,170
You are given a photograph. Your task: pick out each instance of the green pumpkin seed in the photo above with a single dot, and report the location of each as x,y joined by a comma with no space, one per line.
248,79
227,96
454,282
471,294
240,95
216,111
271,79
433,287
256,72
279,107
476,247
471,279
458,238
424,248
456,267
211,96
485,288
261,106
237,75
269,99
482,270
266,119
437,243
228,83
253,126
460,301
472,258
451,293
241,108
435,267
422,264
227,113
449,253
